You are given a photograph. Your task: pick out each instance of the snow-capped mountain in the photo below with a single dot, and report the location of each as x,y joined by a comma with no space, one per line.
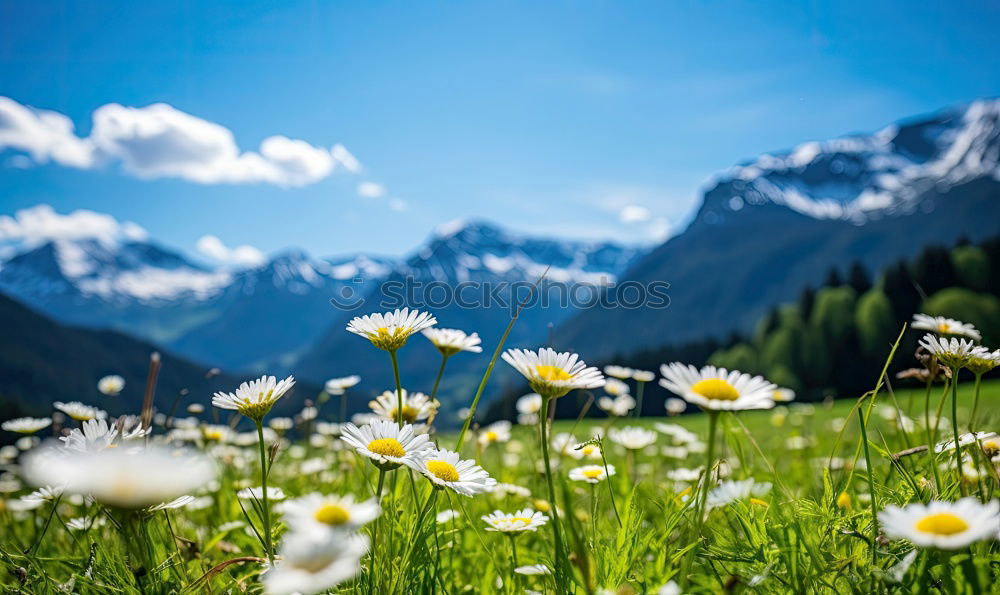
772,226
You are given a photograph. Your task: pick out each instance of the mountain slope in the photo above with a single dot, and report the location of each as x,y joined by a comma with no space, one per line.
42,361
773,226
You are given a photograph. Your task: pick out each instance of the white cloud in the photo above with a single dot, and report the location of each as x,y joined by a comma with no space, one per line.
634,214
160,141
399,205
371,190
40,224
44,135
244,255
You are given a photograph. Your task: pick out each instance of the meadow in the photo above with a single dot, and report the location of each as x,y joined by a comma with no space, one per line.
840,496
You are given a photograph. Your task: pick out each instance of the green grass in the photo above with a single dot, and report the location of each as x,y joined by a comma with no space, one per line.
794,539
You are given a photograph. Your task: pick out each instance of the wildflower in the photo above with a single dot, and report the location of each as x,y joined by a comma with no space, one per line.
728,492
339,386
675,406
130,478
529,403
447,515
416,406
591,473
196,408
390,331
943,525
281,424
328,512
216,433
632,438
533,570
553,374
385,443
716,389
79,411
620,372
97,434
783,395
83,523
44,494
671,588
945,326
679,434
257,493
498,431
963,441
26,425
844,501
509,489
684,474
450,341
954,353
982,360
619,406
256,398
175,503
615,387
445,469
315,562
111,386
587,450
643,375
522,520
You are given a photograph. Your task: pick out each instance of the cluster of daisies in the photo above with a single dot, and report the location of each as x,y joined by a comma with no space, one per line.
124,466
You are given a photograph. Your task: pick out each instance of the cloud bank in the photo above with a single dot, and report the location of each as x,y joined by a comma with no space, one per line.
160,141
245,255
40,224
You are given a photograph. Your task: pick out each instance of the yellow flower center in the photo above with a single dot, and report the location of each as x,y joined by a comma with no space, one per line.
387,447
944,327
519,521
942,523
844,500
409,414
81,416
442,470
333,515
552,373
213,435
588,450
758,502
593,473
491,436
716,388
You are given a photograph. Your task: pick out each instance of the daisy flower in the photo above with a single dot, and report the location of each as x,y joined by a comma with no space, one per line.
111,385
97,434
498,431
684,475
619,406
945,326
257,493
717,388
339,386
416,406
447,515
963,441
620,372
314,562
79,411
588,450
533,570
325,512
728,492
175,503
677,433
516,522
671,588
509,489
632,438
675,406
591,473
615,387
254,399
553,374
954,353
530,403
44,494
783,395
385,443
26,425
390,331
450,341
982,360
446,469
643,375
942,525
129,478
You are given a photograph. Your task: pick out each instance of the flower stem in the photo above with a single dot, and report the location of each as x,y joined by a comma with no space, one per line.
930,435
713,419
638,398
975,403
437,381
399,388
954,427
263,488
542,426
871,478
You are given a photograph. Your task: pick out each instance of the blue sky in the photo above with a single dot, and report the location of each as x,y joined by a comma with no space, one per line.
548,117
